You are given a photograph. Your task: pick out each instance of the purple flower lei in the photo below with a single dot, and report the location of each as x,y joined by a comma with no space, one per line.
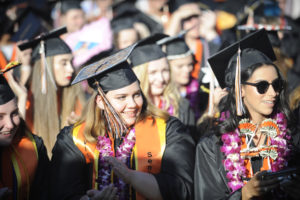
123,152
234,164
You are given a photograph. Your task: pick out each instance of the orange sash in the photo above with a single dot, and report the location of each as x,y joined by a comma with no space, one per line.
24,159
88,149
147,152
3,61
198,56
247,161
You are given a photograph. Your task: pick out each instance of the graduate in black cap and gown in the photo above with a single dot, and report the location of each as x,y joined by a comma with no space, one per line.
255,131
123,30
181,60
122,146
23,156
52,102
151,66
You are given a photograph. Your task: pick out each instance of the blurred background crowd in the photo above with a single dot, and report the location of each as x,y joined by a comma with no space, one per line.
98,28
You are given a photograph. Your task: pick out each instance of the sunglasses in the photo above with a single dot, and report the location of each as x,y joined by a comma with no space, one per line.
263,86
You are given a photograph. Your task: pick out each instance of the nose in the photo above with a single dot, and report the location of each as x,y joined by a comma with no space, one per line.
160,77
271,91
131,103
9,123
69,68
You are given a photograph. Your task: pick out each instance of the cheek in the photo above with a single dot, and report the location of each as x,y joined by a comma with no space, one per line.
16,120
166,76
117,105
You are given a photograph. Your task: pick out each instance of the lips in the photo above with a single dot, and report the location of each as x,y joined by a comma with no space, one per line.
130,114
69,77
269,103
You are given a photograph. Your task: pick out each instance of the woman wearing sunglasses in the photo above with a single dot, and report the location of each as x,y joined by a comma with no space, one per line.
253,137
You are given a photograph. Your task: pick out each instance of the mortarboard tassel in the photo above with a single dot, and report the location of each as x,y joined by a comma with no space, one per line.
45,70
211,92
238,93
116,124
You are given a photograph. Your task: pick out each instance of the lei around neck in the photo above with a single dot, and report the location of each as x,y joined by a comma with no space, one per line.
274,128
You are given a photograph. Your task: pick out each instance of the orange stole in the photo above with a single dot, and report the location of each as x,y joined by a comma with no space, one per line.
3,61
147,152
24,159
198,56
247,162
88,149
149,146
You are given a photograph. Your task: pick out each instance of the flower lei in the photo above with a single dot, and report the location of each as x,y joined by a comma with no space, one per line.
234,163
123,153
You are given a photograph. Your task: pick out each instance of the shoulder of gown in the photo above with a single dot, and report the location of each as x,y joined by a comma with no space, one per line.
175,179
210,180
186,114
70,176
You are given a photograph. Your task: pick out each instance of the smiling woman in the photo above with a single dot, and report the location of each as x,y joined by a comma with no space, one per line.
122,147
23,157
151,66
255,133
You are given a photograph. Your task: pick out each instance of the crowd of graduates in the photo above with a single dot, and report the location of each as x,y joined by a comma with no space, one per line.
149,99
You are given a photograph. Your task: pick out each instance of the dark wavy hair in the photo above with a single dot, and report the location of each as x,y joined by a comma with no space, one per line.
228,105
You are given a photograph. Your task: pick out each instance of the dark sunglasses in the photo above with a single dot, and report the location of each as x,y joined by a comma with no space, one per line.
263,86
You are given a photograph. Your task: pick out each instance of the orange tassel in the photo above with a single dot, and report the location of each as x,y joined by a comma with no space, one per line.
238,92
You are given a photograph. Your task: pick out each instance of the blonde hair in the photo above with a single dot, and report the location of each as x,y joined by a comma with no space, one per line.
171,93
295,98
95,123
49,116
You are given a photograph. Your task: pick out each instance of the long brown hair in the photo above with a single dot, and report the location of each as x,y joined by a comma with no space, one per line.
95,124
171,94
295,98
49,116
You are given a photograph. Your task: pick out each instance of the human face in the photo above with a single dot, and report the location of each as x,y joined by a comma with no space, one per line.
127,37
63,69
127,101
9,122
260,105
181,70
74,20
158,76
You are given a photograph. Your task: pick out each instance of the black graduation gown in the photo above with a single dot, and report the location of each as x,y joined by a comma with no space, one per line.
39,187
210,180
186,115
70,176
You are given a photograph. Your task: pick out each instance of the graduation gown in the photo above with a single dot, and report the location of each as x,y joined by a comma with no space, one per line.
186,115
38,187
71,177
210,180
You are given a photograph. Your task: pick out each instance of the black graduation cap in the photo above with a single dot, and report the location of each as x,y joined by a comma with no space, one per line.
123,21
148,50
6,93
272,31
176,46
53,44
113,72
255,48
67,5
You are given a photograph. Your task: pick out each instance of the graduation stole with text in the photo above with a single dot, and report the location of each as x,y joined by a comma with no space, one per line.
19,163
146,154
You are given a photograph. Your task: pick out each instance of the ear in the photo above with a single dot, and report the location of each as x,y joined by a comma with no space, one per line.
99,102
243,91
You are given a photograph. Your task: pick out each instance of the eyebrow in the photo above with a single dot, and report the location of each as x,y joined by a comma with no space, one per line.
128,94
15,110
